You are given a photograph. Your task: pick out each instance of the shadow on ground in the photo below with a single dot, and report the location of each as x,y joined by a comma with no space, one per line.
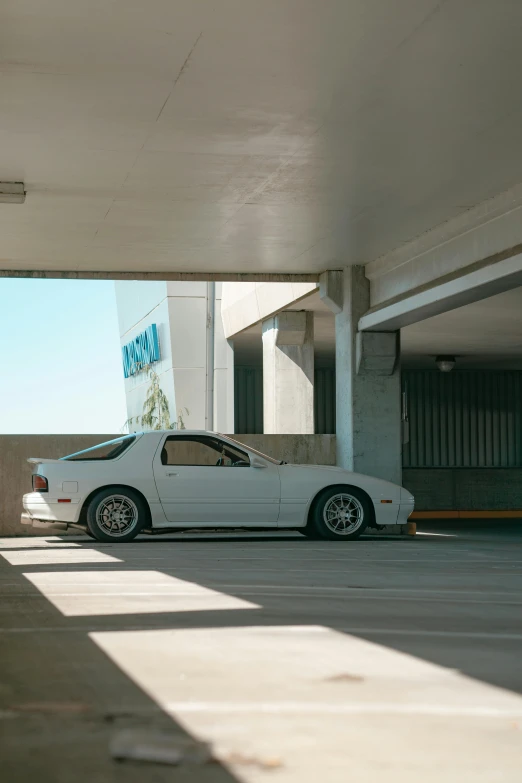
450,596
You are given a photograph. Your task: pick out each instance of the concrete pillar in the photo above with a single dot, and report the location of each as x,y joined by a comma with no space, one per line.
288,373
223,373
368,387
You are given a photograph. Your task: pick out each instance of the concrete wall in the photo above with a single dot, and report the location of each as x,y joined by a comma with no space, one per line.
15,471
299,449
465,489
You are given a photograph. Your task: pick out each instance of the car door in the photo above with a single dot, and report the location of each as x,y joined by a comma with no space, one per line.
205,481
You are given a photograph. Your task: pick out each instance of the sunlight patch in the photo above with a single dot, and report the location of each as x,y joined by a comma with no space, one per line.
57,556
77,593
325,705
35,542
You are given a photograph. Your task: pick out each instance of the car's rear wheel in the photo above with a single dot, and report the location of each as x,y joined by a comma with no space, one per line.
116,514
340,514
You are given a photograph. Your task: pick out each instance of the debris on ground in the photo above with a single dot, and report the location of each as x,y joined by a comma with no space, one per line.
345,677
158,747
243,760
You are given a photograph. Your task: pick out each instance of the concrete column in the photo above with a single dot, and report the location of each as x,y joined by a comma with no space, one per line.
368,387
288,373
223,373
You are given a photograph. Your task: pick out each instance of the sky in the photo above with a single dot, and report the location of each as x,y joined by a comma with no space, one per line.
60,367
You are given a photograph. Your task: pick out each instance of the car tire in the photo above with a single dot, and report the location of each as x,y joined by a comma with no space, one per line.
116,514
340,513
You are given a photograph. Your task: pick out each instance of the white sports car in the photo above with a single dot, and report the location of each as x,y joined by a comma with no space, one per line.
157,482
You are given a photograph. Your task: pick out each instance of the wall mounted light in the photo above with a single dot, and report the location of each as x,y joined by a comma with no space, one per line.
12,193
445,363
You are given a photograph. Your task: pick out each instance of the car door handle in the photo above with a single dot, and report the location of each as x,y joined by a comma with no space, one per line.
172,474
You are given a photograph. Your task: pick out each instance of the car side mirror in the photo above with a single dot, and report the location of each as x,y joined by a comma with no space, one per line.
255,462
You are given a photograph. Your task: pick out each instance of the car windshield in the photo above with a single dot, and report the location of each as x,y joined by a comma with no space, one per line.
109,450
254,451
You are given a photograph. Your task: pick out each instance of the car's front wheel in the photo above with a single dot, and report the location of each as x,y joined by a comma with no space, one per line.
116,514
340,513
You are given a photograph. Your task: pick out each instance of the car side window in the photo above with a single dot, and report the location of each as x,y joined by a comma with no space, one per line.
202,451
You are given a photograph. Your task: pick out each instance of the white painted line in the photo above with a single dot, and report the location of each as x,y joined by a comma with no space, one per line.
501,636
387,590
438,535
396,599
332,560
351,708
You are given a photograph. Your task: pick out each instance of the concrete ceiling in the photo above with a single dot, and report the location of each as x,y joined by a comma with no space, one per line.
486,333
483,334
249,135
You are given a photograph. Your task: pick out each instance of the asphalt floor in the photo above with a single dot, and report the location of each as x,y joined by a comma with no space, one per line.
254,657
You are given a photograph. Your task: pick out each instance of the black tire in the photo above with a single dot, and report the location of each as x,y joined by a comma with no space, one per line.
118,509
347,508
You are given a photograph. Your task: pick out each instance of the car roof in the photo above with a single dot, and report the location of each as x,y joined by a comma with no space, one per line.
176,432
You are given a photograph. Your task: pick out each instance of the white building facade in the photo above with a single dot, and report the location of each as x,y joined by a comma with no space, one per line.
187,320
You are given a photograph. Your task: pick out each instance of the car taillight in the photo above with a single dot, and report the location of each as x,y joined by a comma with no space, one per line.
40,484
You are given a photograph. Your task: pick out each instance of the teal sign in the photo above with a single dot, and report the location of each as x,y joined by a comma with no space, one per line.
141,351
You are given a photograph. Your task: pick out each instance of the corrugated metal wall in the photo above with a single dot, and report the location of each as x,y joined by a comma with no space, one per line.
324,401
466,418
248,400
462,419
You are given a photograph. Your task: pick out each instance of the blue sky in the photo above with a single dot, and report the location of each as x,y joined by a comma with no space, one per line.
61,366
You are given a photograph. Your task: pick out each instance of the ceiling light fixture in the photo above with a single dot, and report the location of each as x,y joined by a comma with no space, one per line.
445,363
12,193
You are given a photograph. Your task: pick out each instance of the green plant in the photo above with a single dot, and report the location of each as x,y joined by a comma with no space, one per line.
181,422
156,413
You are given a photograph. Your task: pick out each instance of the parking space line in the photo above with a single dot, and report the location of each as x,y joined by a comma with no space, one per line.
500,636
351,708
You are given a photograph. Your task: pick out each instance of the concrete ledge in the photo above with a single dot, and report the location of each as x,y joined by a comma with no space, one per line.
491,514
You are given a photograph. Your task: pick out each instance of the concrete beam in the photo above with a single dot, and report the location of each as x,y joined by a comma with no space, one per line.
292,328
377,352
248,303
479,281
162,275
331,289
476,236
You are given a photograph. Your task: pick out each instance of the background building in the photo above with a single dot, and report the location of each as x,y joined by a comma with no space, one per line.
191,339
